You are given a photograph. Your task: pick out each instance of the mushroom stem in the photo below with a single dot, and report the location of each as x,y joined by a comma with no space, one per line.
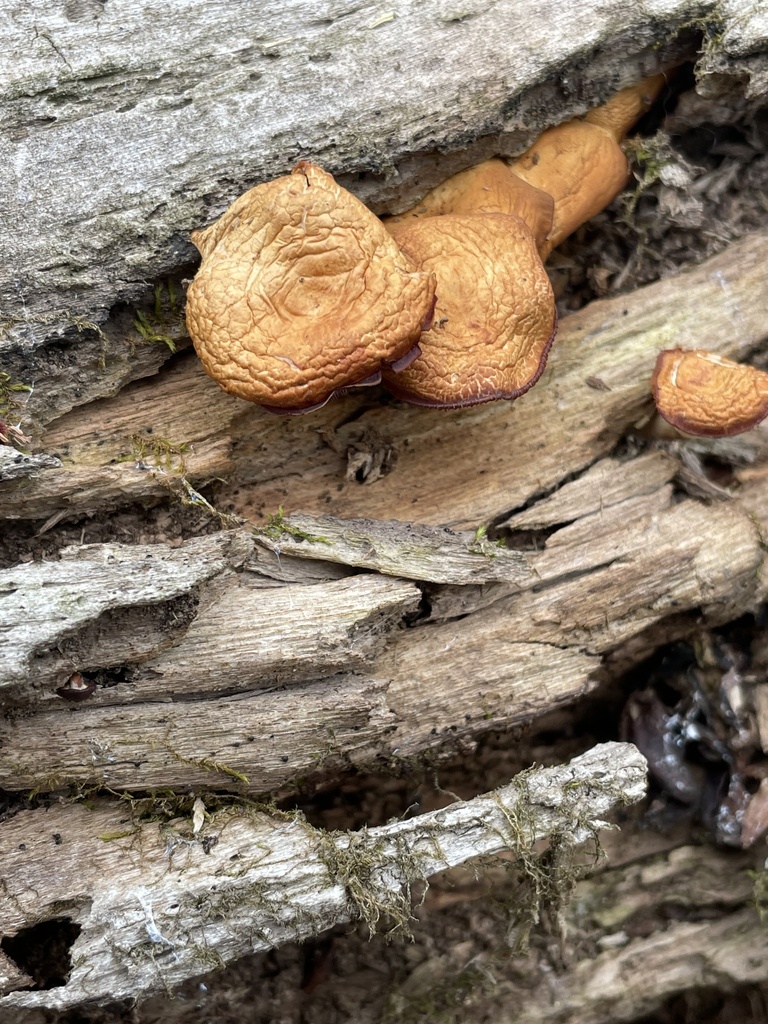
618,114
581,164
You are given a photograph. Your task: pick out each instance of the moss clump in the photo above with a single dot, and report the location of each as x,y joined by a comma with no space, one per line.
378,883
159,452
481,545
278,526
208,764
760,892
11,403
546,880
163,321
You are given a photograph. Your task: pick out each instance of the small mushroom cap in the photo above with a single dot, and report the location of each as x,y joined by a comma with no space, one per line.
494,319
489,187
301,292
581,166
625,108
704,394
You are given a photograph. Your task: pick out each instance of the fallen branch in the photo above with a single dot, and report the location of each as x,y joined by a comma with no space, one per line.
158,903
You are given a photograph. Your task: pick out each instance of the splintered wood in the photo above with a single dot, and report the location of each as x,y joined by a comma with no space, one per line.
244,880
273,652
377,586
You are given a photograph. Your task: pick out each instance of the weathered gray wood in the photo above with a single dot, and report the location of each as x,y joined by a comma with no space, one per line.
423,553
269,656
730,951
459,468
44,603
112,152
654,924
159,903
300,683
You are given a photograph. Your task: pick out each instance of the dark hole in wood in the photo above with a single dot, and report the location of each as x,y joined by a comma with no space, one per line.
43,951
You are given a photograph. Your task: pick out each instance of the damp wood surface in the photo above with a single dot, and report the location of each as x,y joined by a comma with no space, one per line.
213,676
461,468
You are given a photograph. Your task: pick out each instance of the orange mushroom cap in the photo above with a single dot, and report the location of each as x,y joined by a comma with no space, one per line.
581,166
580,163
302,292
494,318
488,187
707,395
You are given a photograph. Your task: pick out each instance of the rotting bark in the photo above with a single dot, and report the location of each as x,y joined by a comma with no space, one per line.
353,612
312,677
461,469
159,903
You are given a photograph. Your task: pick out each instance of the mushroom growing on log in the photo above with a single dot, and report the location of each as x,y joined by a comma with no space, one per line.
581,164
303,292
707,395
495,317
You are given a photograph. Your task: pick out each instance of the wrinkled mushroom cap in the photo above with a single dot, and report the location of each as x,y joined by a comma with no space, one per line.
708,395
489,187
494,320
302,291
582,168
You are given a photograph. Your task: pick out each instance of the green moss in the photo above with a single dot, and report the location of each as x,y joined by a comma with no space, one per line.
357,863
166,460
760,892
159,452
545,880
481,545
191,497
10,395
109,837
208,764
278,526
162,322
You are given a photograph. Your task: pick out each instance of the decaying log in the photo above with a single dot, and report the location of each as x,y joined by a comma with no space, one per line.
159,903
297,669
351,612
250,697
397,96
459,468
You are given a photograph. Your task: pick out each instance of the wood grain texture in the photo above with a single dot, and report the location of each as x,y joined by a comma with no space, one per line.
149,142
262,690
460,468
180,897
350,615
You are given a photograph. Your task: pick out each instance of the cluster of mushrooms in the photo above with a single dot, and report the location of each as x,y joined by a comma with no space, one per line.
303,292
